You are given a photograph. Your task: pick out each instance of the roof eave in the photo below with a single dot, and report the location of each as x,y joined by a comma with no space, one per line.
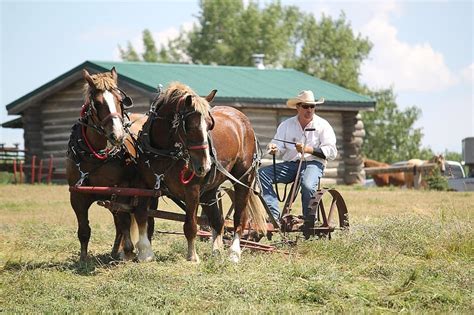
18,106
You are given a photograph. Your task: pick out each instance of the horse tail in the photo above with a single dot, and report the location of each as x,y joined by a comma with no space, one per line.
133,230
257,212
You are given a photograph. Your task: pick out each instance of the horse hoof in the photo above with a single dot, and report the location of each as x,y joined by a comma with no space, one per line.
234,257
216,252
126,257
194,259
146,257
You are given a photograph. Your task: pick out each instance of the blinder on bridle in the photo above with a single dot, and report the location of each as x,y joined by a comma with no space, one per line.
126,101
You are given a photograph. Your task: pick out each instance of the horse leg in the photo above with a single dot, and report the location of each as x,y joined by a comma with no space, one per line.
118,237
81,203
125,225
240,221
190,222
216,221
145,252
151,220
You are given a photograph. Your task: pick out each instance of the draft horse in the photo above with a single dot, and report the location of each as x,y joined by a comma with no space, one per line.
189,151
101,153
387,179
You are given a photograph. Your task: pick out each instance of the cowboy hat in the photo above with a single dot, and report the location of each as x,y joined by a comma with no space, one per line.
305,97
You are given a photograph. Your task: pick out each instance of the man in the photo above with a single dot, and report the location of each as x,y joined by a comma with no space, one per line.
318,146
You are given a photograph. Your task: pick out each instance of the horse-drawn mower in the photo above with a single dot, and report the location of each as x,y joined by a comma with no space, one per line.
328,214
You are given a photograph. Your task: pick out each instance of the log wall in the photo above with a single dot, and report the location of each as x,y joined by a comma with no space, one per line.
47,127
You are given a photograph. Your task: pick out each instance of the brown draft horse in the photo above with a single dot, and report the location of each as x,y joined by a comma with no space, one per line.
100,153
439,160
188,148
387,179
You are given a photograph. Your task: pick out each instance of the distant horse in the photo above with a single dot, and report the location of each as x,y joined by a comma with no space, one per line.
190,150
439,160
386,179
101,153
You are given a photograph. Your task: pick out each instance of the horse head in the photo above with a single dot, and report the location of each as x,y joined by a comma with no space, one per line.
440,161
105,104
190,121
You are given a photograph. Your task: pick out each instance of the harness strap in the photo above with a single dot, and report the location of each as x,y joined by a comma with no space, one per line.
276,184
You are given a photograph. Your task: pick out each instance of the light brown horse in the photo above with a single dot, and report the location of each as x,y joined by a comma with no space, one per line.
188,148
387,179
101,153
439,160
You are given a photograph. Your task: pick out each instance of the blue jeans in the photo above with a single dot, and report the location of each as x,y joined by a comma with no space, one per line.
311,172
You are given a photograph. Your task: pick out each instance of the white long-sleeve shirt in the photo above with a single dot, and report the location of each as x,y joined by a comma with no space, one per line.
323,137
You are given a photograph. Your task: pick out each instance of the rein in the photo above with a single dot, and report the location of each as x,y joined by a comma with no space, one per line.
276,184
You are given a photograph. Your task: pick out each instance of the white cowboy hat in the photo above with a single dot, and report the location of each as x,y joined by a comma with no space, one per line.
305,97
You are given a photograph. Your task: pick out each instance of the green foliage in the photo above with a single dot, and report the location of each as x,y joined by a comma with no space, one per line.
228,33
6,178
129,54
452,156
436,181
151,53
331,51
390,135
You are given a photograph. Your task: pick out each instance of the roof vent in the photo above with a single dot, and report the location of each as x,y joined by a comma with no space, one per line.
258,60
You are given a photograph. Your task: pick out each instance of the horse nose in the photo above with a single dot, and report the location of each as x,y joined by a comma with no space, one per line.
201,171
116,140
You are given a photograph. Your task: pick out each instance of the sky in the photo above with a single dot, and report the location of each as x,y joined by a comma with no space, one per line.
422,49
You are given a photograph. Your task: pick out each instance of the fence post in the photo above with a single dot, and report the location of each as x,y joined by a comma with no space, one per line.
50,169
33,166
21,172
14,171
40,171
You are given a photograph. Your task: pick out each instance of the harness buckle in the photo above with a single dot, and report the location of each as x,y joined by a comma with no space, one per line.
175,122
83,175
158,181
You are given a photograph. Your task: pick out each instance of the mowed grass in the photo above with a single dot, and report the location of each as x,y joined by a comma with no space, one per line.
405,251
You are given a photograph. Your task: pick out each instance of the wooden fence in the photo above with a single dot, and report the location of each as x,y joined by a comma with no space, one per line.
417,170
12,160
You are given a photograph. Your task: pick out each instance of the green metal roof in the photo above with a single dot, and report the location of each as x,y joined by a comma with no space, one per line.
245,84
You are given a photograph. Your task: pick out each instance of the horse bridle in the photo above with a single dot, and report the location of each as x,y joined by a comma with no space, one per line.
89,110
179,120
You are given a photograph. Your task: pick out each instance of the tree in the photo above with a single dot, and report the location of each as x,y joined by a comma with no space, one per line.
228,33
129,54
150,54
331,51
390,135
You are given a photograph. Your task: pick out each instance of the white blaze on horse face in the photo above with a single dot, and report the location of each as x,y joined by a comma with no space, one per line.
117,128
207,166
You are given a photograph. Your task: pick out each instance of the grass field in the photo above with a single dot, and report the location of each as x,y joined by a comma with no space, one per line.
406,251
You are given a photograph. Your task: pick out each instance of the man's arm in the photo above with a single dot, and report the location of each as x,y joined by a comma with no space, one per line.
316,151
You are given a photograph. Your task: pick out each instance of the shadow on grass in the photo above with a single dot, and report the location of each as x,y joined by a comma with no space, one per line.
90,267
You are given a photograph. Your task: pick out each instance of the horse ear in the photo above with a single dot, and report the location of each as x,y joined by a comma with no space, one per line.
211,95
114,74
189,101
88,78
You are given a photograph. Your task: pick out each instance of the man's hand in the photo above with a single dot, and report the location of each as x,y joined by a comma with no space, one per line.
272,148
302,149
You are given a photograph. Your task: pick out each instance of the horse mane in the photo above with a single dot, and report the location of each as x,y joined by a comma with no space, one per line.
102,82
176,90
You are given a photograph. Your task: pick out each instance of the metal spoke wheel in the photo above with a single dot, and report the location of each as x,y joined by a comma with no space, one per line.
328,212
